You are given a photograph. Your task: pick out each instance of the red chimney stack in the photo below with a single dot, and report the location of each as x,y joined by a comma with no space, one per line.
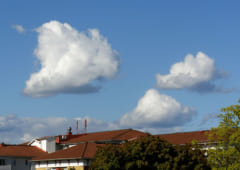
69,131
85,124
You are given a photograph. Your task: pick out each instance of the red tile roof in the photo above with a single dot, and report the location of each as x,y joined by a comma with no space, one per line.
125,134
87,148
81,151
185,137
20,151
87,145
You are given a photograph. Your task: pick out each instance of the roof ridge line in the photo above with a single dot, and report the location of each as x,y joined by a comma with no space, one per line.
110,130
128,130
182,132
84,149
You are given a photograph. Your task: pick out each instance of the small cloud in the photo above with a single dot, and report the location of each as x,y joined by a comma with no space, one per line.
27,137
19,28
155,110
195,74
71,61
210,118
164,130
14,129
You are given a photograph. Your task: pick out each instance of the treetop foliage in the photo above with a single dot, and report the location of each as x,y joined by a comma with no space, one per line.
148,153
225,140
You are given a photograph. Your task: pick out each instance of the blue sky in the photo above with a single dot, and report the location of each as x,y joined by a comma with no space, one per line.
125,45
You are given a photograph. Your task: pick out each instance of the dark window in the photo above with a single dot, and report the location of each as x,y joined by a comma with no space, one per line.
2,162
26,162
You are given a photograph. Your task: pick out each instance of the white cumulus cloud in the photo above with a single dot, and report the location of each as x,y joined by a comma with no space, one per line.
71,61
157,110
19,28
194,73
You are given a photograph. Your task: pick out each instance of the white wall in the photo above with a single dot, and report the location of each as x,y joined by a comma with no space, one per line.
62,163
39,144
48,144
51,144
17,163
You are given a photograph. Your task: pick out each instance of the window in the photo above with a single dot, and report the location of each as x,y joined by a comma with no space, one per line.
2,162
26,162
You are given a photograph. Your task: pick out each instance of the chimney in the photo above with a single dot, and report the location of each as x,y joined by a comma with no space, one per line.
77,127
69,131
85,126
2,144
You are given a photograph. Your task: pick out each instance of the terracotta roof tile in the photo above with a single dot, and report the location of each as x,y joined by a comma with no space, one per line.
185,137
125,134
91,150
81,151
20,151
130,135
87,148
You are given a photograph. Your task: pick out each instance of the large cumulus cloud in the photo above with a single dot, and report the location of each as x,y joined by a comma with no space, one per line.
155,110
194,73
71,61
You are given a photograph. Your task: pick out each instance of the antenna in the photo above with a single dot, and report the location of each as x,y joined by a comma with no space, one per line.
77,126
85,126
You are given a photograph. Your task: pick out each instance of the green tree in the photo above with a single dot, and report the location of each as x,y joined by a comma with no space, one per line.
190,158
151,153
110,157
225,153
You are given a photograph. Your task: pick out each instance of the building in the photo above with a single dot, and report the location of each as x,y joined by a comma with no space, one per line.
64,152
76,151
55,143
200,137
18,157
48,143
184,138
77,157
